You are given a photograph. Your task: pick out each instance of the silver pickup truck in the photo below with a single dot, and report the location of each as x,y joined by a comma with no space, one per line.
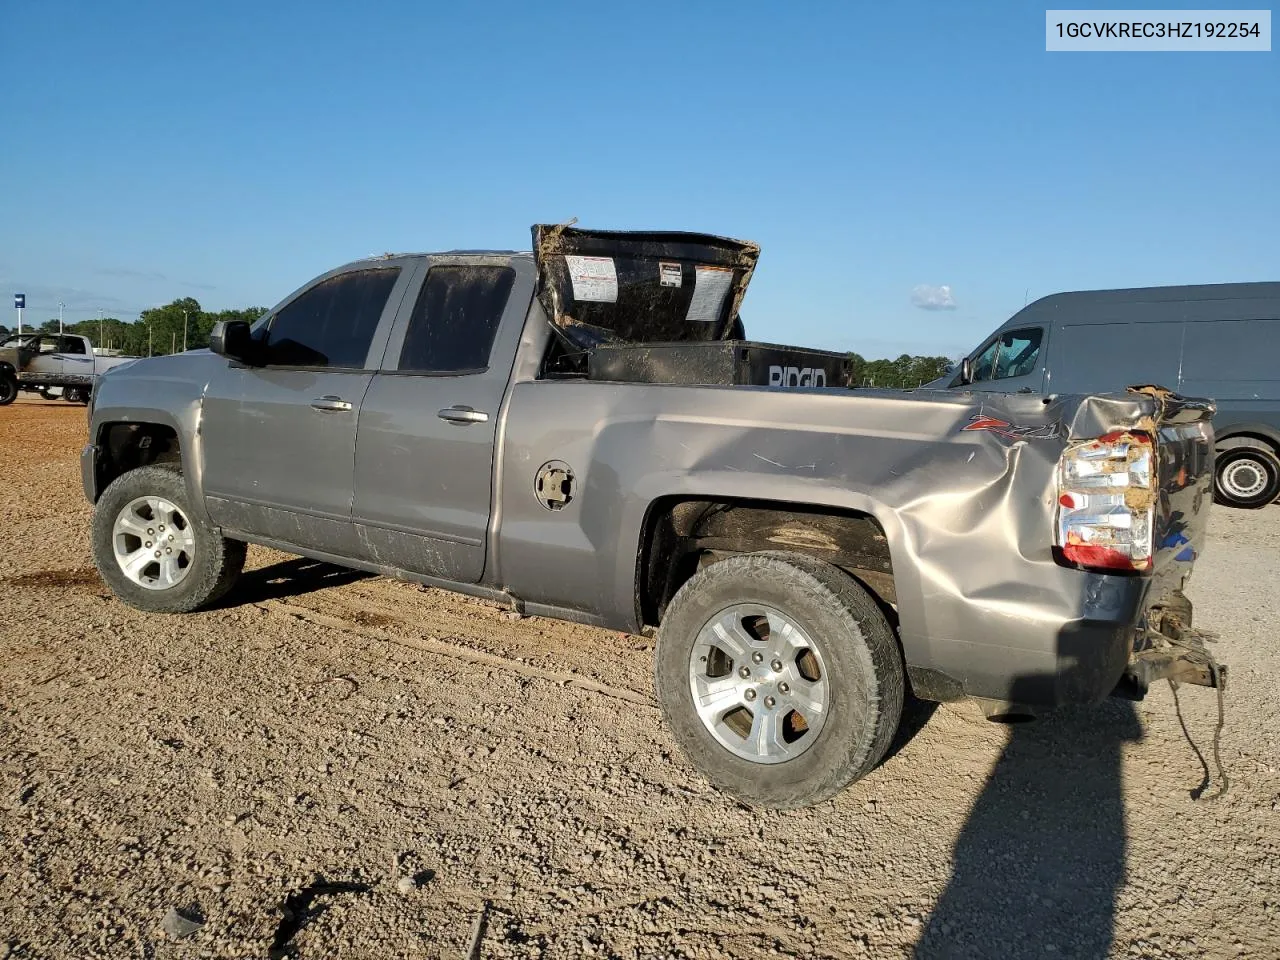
581,432
44,362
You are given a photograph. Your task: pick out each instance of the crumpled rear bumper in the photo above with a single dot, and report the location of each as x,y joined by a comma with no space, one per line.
1169,648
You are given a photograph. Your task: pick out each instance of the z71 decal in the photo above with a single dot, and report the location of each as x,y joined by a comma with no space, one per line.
1003,428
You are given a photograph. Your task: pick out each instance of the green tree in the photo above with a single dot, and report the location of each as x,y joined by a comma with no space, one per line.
906,372
168,327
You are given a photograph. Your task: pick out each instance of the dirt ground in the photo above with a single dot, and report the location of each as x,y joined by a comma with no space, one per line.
336,765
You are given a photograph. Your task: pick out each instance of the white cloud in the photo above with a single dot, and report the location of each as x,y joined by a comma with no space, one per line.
928,297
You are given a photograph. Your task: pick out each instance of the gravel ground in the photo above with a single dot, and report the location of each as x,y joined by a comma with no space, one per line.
335,765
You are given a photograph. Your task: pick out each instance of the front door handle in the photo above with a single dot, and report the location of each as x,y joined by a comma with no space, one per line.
463,414
331,404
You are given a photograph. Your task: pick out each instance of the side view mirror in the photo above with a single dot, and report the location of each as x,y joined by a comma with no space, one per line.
231,339
966,371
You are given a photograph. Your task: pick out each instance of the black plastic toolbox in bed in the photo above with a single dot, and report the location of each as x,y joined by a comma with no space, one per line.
718,362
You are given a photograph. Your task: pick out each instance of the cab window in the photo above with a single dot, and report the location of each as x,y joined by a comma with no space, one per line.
332,324
455,319
1013,354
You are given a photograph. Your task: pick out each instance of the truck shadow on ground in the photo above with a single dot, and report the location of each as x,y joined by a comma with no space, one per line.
1040,861
289,578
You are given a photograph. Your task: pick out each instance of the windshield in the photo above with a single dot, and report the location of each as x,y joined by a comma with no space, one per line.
17,341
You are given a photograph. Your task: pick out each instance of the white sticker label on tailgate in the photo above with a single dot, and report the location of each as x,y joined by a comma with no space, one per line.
670,274
710,286
595,279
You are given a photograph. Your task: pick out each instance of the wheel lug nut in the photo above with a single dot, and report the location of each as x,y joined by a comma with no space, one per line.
162,527
750,695
150,532
769,702
784,687
167,550
744,672
757,657
148,544
777,665
171,536
157,554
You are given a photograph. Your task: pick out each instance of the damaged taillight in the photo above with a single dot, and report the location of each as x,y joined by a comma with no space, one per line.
1106,495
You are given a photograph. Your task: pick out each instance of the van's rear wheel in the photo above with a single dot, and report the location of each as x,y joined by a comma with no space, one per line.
780,678
1246,477
151,549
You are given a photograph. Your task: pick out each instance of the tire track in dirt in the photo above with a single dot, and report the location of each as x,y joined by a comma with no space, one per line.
352,624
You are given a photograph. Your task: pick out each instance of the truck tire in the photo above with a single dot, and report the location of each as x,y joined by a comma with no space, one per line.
780,678
8,388
1247,477
76,394
151,549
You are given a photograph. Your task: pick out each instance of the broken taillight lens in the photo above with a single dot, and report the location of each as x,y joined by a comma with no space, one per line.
1106,495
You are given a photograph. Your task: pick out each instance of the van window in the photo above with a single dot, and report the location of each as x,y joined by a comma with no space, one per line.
1012,354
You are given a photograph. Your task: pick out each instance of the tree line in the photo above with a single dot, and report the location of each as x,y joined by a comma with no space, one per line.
158,331
905,372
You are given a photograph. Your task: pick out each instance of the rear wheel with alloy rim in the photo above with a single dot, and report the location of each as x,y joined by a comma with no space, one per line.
780,678
153,551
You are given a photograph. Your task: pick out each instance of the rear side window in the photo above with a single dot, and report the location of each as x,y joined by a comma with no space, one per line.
1013,354
332,324
455,319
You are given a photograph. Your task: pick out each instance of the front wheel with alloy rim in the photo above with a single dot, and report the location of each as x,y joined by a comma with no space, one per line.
780,678
8,388
1246,477
151,549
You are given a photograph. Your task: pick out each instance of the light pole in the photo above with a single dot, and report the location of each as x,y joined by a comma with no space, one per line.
59,318
184,331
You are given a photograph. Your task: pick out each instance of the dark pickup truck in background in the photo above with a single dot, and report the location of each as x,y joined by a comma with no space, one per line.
579,432
1220,341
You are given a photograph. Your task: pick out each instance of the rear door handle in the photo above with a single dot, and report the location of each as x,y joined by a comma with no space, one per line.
463,414
331,404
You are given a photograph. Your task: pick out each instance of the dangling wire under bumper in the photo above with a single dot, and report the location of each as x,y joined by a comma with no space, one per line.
1170,649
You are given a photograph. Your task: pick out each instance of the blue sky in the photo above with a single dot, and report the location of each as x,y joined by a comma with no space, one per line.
231,151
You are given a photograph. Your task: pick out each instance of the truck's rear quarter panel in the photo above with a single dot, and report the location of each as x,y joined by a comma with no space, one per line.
967,513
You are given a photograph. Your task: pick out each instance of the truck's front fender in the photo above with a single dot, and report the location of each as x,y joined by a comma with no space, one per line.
164,391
